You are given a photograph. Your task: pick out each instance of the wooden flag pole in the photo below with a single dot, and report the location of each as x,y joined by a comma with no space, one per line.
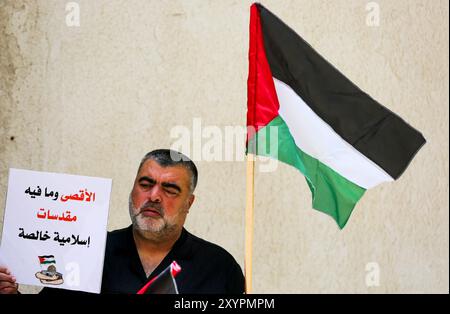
249,221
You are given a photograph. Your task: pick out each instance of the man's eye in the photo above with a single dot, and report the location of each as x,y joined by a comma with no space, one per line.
172,192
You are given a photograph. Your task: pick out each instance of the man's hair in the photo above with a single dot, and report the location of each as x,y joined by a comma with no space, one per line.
171,158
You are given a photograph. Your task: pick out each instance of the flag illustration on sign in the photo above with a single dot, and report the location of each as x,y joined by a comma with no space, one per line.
342,140
164,283
46,259
49,276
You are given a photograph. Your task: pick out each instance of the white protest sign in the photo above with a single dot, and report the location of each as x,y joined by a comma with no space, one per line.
54,230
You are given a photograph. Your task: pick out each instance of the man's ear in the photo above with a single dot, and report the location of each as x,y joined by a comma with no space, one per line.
190,201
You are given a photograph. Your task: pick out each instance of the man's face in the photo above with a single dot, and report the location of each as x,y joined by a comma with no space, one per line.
160,199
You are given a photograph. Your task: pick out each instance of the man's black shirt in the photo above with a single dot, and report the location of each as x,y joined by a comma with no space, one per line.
205,267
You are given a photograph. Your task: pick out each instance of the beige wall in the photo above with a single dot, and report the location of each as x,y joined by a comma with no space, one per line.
93,99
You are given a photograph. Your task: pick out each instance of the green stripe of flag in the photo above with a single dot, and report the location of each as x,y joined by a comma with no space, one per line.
332,193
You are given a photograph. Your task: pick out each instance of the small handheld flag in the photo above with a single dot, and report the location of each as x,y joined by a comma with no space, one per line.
164,283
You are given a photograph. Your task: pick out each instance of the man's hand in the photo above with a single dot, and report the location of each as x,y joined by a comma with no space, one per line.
8,283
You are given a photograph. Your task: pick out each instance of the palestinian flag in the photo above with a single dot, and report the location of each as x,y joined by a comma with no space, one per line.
164,283
304,112
47,259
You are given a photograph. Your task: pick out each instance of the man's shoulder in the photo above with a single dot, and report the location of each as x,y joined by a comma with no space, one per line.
204,247
118,233
211,263
118,238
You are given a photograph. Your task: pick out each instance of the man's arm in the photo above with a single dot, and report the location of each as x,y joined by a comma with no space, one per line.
236,280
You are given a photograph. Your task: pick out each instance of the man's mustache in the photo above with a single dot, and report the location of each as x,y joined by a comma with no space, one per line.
152,206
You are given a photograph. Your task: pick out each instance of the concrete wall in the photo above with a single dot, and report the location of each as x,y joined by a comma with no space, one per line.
93,99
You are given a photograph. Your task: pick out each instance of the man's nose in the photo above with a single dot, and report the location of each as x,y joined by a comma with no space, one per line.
155,194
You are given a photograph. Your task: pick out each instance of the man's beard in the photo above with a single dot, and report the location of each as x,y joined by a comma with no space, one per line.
147,226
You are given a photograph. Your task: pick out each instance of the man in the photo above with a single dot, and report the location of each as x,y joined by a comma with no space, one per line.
158,204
